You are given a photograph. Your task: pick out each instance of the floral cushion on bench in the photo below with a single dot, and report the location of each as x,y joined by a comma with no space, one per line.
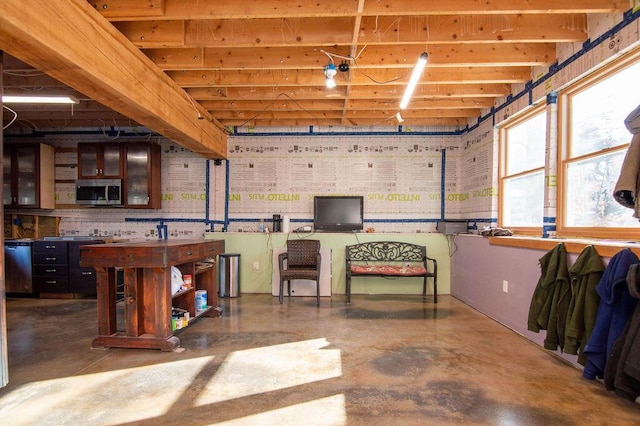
388,270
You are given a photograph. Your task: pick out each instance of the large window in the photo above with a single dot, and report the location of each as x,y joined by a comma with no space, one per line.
595,143
522,173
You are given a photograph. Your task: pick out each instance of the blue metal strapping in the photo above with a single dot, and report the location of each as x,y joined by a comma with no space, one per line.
442,177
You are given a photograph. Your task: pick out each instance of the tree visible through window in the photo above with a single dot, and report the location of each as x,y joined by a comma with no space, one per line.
522,174
596,145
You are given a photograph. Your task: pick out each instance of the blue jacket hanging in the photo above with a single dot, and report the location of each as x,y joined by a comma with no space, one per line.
622,372
615,309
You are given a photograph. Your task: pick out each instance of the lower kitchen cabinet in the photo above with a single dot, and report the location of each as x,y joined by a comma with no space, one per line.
56,267
50,267
81,279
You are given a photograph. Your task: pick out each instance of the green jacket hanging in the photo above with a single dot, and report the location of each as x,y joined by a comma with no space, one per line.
585,274
551,297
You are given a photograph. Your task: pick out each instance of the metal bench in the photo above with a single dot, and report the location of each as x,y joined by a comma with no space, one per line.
390,259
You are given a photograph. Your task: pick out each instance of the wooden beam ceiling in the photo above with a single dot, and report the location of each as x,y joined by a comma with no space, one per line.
72,43
260,62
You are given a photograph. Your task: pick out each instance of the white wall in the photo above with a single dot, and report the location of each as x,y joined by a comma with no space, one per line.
278,162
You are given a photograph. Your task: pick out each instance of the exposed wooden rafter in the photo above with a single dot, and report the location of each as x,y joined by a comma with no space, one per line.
72,43
260,62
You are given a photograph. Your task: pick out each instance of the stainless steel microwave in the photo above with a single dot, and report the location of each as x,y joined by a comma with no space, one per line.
99,192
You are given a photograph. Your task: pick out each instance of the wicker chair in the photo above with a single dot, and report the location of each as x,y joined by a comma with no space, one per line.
301,261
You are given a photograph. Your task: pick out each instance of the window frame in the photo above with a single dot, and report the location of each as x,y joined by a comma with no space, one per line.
565,160
502,172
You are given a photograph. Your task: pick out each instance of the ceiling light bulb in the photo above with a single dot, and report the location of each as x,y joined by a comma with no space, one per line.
330,72
413,81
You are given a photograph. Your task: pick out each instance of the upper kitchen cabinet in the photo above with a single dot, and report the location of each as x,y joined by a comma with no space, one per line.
142,187
28,172
99,161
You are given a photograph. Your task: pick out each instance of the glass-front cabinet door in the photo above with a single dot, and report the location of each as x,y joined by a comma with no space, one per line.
28,176
7,179
142,176
20,174
88,161
103,161
111,161
137,175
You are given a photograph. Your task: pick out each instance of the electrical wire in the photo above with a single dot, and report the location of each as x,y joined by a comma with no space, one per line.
348,58
200,117
381,82
33,125
15,116
55,126
265,109
357,67
451,242
25,73
104,126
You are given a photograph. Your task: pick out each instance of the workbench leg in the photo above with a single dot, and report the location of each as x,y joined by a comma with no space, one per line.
106,304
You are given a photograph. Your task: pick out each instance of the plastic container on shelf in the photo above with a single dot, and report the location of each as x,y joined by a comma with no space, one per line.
188,281
201,300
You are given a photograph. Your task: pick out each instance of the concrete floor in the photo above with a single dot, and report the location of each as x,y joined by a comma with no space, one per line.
391,359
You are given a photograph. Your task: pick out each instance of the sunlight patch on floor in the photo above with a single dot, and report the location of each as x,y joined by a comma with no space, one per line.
267,369
150,392
328,411
127,394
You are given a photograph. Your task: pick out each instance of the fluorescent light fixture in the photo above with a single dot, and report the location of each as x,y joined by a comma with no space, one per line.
330,72
399,117
413,81
10,99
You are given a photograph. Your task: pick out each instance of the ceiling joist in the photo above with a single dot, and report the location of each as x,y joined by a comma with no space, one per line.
126,10
72,43
261,62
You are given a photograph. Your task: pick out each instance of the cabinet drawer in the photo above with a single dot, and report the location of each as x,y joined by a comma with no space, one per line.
52,270
212,249
190,252
82,280
50,284
55,247
50,258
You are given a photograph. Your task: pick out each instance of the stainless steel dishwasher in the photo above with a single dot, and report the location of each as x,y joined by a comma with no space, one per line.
17,269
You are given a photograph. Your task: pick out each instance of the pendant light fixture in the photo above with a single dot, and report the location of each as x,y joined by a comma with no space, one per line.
329,73
413,81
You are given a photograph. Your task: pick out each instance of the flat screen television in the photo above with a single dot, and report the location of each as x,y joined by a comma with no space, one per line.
338,213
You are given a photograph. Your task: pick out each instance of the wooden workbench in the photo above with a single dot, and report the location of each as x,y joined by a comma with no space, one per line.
147,288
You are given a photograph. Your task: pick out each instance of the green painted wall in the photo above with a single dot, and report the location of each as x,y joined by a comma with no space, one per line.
258,247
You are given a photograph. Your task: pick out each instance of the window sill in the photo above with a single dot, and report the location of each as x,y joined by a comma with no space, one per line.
605,248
